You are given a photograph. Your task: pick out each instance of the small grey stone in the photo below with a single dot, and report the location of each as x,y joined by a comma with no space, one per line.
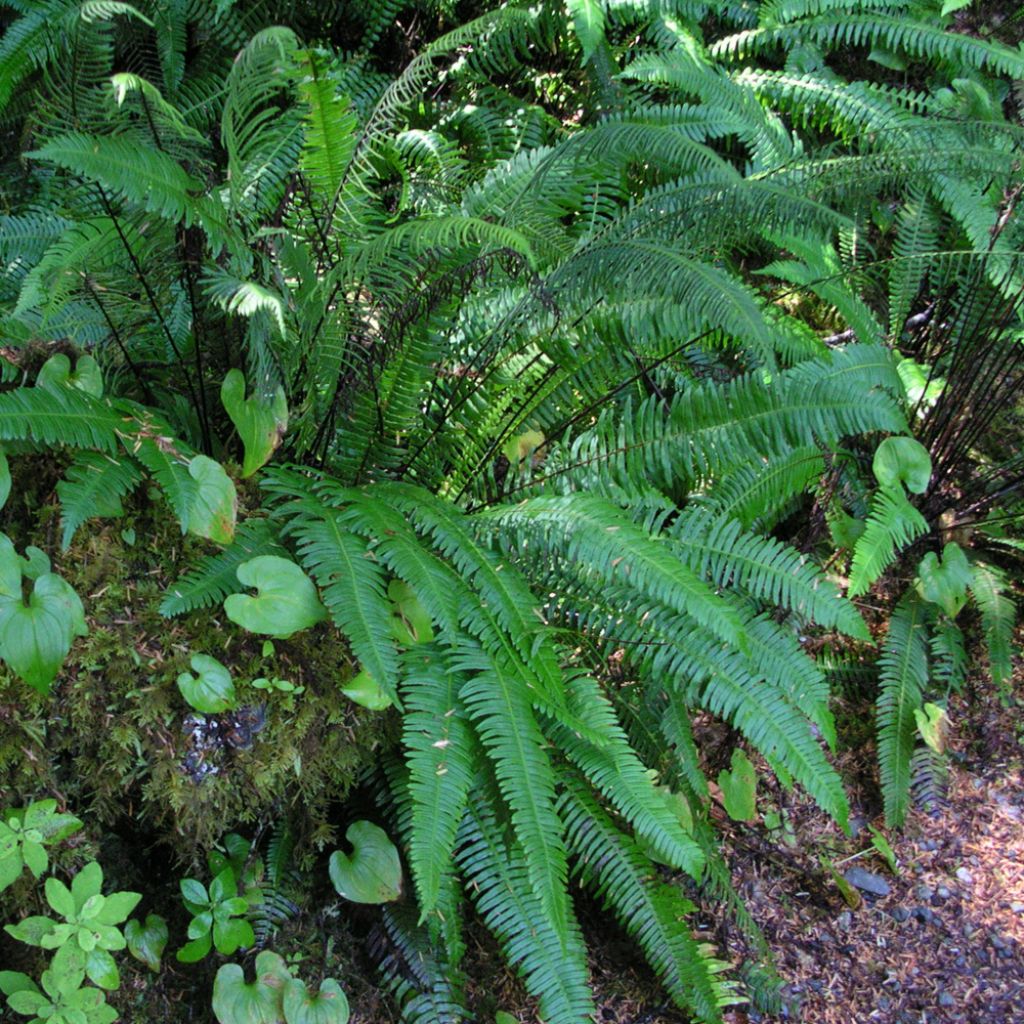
964,876
998,942
945,999
844,920
924,914
856,825
1017,908
884,1002
867,881
943,892
928,845
899,913
925,893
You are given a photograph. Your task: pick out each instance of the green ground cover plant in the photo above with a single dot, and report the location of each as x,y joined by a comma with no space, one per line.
515,400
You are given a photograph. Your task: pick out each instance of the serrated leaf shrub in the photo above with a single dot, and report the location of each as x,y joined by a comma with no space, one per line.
534,372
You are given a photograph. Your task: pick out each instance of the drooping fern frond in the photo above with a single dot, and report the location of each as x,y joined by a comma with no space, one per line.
998,617
903,679
612,864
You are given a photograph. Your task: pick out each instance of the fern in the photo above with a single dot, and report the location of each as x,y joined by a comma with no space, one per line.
892,524
903,679
214,577
998,618
64,416
93,486
613,865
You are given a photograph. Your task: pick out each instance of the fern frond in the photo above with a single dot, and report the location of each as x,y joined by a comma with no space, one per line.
440,756
653,912
354,590
214,576
553,965
998,618
140,174
498,705
892,524
903,678
719,550
93,485
58,416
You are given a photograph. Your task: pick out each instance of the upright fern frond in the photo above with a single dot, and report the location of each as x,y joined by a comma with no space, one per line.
903,679
892,524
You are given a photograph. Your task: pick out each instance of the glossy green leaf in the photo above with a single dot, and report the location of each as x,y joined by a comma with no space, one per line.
231,935
101,970
739,788
902,459
36,637
373,874
147,940
261,422
328,1006
212,503
363,689
195,950
286,600
945,582
211,690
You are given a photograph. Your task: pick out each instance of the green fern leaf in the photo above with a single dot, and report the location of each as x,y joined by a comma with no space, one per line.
892,524
904,676
93,486
998,618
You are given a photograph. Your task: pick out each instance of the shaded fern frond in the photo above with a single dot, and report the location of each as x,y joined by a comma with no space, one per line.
93,485
214,577
654,914
998,617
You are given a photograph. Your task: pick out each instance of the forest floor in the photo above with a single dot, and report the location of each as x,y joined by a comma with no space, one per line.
942,944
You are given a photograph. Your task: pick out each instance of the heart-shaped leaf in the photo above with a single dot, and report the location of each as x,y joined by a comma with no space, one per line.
56,373
147,941
36,637
373,874
328,1006
364,690
236,1001
211,690
945,583
739,788
212,503
933,725
286,600
903,460
260,421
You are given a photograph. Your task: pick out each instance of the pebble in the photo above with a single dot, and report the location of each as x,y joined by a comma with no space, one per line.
925,893
867,881
928,845
945,999
924,914
899,914
998,942
964,876
884,1002
1017,908
943,892
844,920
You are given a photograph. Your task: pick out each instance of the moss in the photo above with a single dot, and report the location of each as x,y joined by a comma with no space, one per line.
115,739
